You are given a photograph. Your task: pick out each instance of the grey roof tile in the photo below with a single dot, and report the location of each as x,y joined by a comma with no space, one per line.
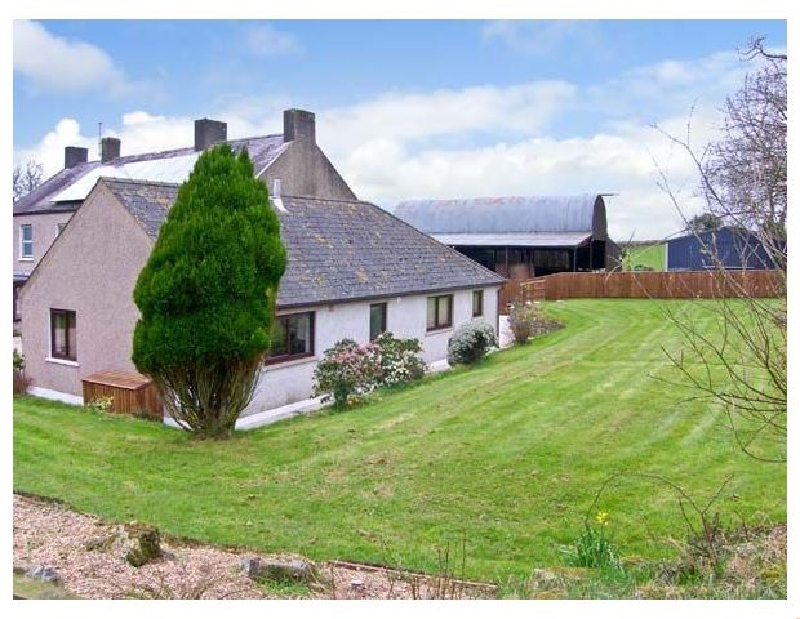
337,250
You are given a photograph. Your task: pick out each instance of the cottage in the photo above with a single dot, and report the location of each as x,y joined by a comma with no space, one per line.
519,237
727,247
354,270
293,157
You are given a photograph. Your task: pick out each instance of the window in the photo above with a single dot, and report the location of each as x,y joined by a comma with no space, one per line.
440,312
62,334
477,303
26,241
292,337
377,320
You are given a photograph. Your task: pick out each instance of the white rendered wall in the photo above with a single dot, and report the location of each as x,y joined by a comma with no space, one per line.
405,317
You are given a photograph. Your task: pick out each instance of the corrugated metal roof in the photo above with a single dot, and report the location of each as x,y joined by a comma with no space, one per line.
559,214
535,239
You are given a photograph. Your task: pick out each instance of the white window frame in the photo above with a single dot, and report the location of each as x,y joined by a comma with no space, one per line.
22,241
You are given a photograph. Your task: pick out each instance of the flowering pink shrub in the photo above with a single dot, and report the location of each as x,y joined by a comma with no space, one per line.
352,369
348,368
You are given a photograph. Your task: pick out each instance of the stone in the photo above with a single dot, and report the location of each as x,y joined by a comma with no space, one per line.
43,573
251,565
149,548
294,569
357,584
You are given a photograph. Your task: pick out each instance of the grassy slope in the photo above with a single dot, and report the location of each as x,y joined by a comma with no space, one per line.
653,256
509,455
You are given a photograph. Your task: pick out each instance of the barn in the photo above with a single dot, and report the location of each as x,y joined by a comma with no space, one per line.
728,247
520,237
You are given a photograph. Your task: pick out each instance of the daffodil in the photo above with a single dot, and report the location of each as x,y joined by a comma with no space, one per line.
602,518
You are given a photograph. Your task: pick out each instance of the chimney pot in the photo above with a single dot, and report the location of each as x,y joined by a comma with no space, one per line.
299,125
75,155
209,132
109,149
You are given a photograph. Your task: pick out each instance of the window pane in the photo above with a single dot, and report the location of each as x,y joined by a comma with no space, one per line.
477,302
444,311
71,335
431,312
299,334
63,333
377,324
27,232
278,346
59,334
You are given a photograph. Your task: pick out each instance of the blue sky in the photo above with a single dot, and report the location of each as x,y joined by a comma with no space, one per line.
405,109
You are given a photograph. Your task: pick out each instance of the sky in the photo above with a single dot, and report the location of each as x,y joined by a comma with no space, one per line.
406,109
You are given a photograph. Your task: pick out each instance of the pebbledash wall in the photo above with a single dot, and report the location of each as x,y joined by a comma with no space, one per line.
92,274
45,230
405,317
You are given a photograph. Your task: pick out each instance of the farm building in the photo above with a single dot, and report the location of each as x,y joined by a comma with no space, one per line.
731,248
520,237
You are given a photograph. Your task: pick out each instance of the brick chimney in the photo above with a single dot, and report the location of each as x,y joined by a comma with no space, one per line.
299,125
75,155
109,149
209,132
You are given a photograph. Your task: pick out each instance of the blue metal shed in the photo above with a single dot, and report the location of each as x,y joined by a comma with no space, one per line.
730,248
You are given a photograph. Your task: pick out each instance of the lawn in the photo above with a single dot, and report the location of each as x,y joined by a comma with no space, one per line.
507,457
653,256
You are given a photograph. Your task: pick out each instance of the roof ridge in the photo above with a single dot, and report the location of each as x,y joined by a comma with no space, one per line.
514,197
322,199
175,151
137,181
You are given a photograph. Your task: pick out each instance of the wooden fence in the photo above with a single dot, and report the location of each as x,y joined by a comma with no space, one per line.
645,285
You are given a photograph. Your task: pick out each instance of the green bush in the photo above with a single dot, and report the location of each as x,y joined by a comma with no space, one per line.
527,320
207,294
470,342
19,361
20,381
101,404
347,369
399,359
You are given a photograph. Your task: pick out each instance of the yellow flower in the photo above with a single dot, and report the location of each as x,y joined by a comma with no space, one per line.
602,518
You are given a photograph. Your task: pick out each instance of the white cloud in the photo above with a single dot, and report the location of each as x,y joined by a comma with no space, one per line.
55,65
265,40
487,140
543,38
525,109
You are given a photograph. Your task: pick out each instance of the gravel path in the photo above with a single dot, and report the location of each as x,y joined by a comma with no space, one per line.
48,534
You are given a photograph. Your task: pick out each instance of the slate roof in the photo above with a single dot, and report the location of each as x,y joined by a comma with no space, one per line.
522,214
147,202
338,250
263,151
